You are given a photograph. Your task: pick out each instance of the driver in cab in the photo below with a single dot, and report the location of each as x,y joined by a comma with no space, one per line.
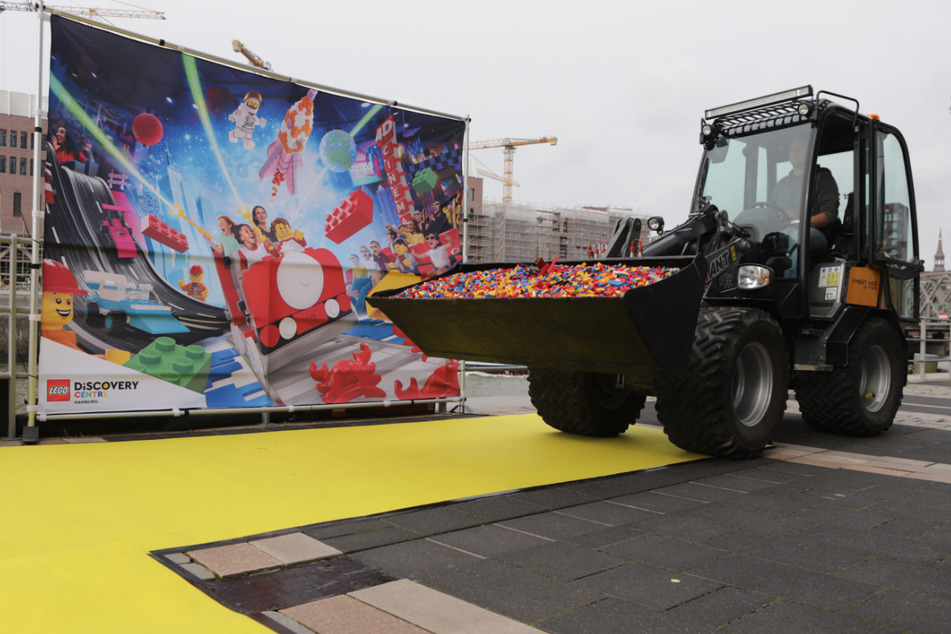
824,207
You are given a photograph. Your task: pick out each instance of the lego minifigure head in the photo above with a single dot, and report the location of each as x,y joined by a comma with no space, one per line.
282,229
59,286
400,246
253,100
195,273
57,310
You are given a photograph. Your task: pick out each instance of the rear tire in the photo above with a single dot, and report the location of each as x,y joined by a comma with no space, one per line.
731,399
584,403
862,398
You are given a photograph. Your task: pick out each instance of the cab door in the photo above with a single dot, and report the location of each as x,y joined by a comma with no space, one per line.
891,222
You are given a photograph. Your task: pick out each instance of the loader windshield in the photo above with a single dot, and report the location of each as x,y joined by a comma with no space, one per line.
757,179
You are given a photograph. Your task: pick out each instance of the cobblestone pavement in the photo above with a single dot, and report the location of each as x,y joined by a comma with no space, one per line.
822,533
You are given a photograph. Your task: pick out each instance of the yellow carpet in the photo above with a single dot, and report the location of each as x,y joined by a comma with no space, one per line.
77,521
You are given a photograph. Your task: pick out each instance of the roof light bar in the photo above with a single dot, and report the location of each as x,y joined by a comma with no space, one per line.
795,93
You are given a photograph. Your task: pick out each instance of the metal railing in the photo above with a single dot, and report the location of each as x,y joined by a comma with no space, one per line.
14,320
934,335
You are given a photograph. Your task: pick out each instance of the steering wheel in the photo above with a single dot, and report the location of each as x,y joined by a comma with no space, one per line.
782,216
768,216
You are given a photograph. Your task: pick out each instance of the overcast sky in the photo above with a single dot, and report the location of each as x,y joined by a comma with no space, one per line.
622,87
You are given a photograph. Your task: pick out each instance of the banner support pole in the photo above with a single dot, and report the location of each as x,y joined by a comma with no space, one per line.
31,432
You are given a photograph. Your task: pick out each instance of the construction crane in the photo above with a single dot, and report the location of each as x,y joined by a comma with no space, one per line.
254,59
90,12
485,173
509,146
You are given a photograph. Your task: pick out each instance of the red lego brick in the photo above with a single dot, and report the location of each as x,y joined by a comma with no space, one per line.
159,231
353,214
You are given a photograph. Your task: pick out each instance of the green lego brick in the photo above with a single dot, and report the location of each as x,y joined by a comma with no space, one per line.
424,181
185,366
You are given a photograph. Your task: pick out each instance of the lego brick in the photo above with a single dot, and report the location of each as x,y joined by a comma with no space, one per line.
352,215
230,395
185,366
162,233
424,181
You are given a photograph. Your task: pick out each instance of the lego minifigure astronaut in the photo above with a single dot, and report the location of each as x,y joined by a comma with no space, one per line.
245,118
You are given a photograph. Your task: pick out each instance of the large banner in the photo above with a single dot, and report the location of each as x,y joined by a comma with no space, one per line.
212,234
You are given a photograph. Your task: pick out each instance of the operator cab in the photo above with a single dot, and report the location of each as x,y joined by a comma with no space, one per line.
818,190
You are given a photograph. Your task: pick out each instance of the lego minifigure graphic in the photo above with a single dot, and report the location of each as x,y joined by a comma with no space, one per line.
59,287
284,155
194,288
287,240
405,261
245,118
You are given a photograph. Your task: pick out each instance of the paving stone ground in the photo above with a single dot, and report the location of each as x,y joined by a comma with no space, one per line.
822,533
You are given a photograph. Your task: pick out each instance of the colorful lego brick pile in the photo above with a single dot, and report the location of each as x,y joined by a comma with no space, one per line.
578,280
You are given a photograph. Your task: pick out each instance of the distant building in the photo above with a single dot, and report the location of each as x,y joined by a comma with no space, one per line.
524,233
16,161
939,256
936,288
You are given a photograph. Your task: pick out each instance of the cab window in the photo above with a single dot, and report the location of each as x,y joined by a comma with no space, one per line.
894,237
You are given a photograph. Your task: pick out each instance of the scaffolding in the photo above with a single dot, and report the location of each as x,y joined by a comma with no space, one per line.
523,233
935,294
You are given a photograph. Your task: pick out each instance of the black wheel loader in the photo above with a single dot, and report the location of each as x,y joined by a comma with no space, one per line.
798,268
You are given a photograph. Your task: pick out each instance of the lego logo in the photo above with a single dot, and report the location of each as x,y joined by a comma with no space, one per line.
57,390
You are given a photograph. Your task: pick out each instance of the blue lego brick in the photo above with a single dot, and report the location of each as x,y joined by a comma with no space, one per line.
376,329
229,395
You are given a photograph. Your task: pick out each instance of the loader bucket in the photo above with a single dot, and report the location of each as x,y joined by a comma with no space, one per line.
649,329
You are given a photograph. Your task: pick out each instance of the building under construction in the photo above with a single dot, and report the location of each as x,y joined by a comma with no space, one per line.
522,233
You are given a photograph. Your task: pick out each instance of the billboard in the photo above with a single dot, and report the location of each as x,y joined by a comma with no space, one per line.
212,234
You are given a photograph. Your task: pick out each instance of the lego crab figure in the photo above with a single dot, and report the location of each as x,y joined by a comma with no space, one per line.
348,380
284,155
288,240
245,118
195,288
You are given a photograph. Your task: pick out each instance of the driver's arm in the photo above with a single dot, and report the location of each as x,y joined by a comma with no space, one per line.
825,207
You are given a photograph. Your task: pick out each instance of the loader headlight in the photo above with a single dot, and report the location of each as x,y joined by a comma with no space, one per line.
753,276
655,223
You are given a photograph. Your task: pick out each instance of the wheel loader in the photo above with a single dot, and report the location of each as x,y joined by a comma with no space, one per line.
797,268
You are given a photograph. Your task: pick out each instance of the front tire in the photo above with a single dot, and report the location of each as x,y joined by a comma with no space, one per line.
584,403
862,398
731,399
